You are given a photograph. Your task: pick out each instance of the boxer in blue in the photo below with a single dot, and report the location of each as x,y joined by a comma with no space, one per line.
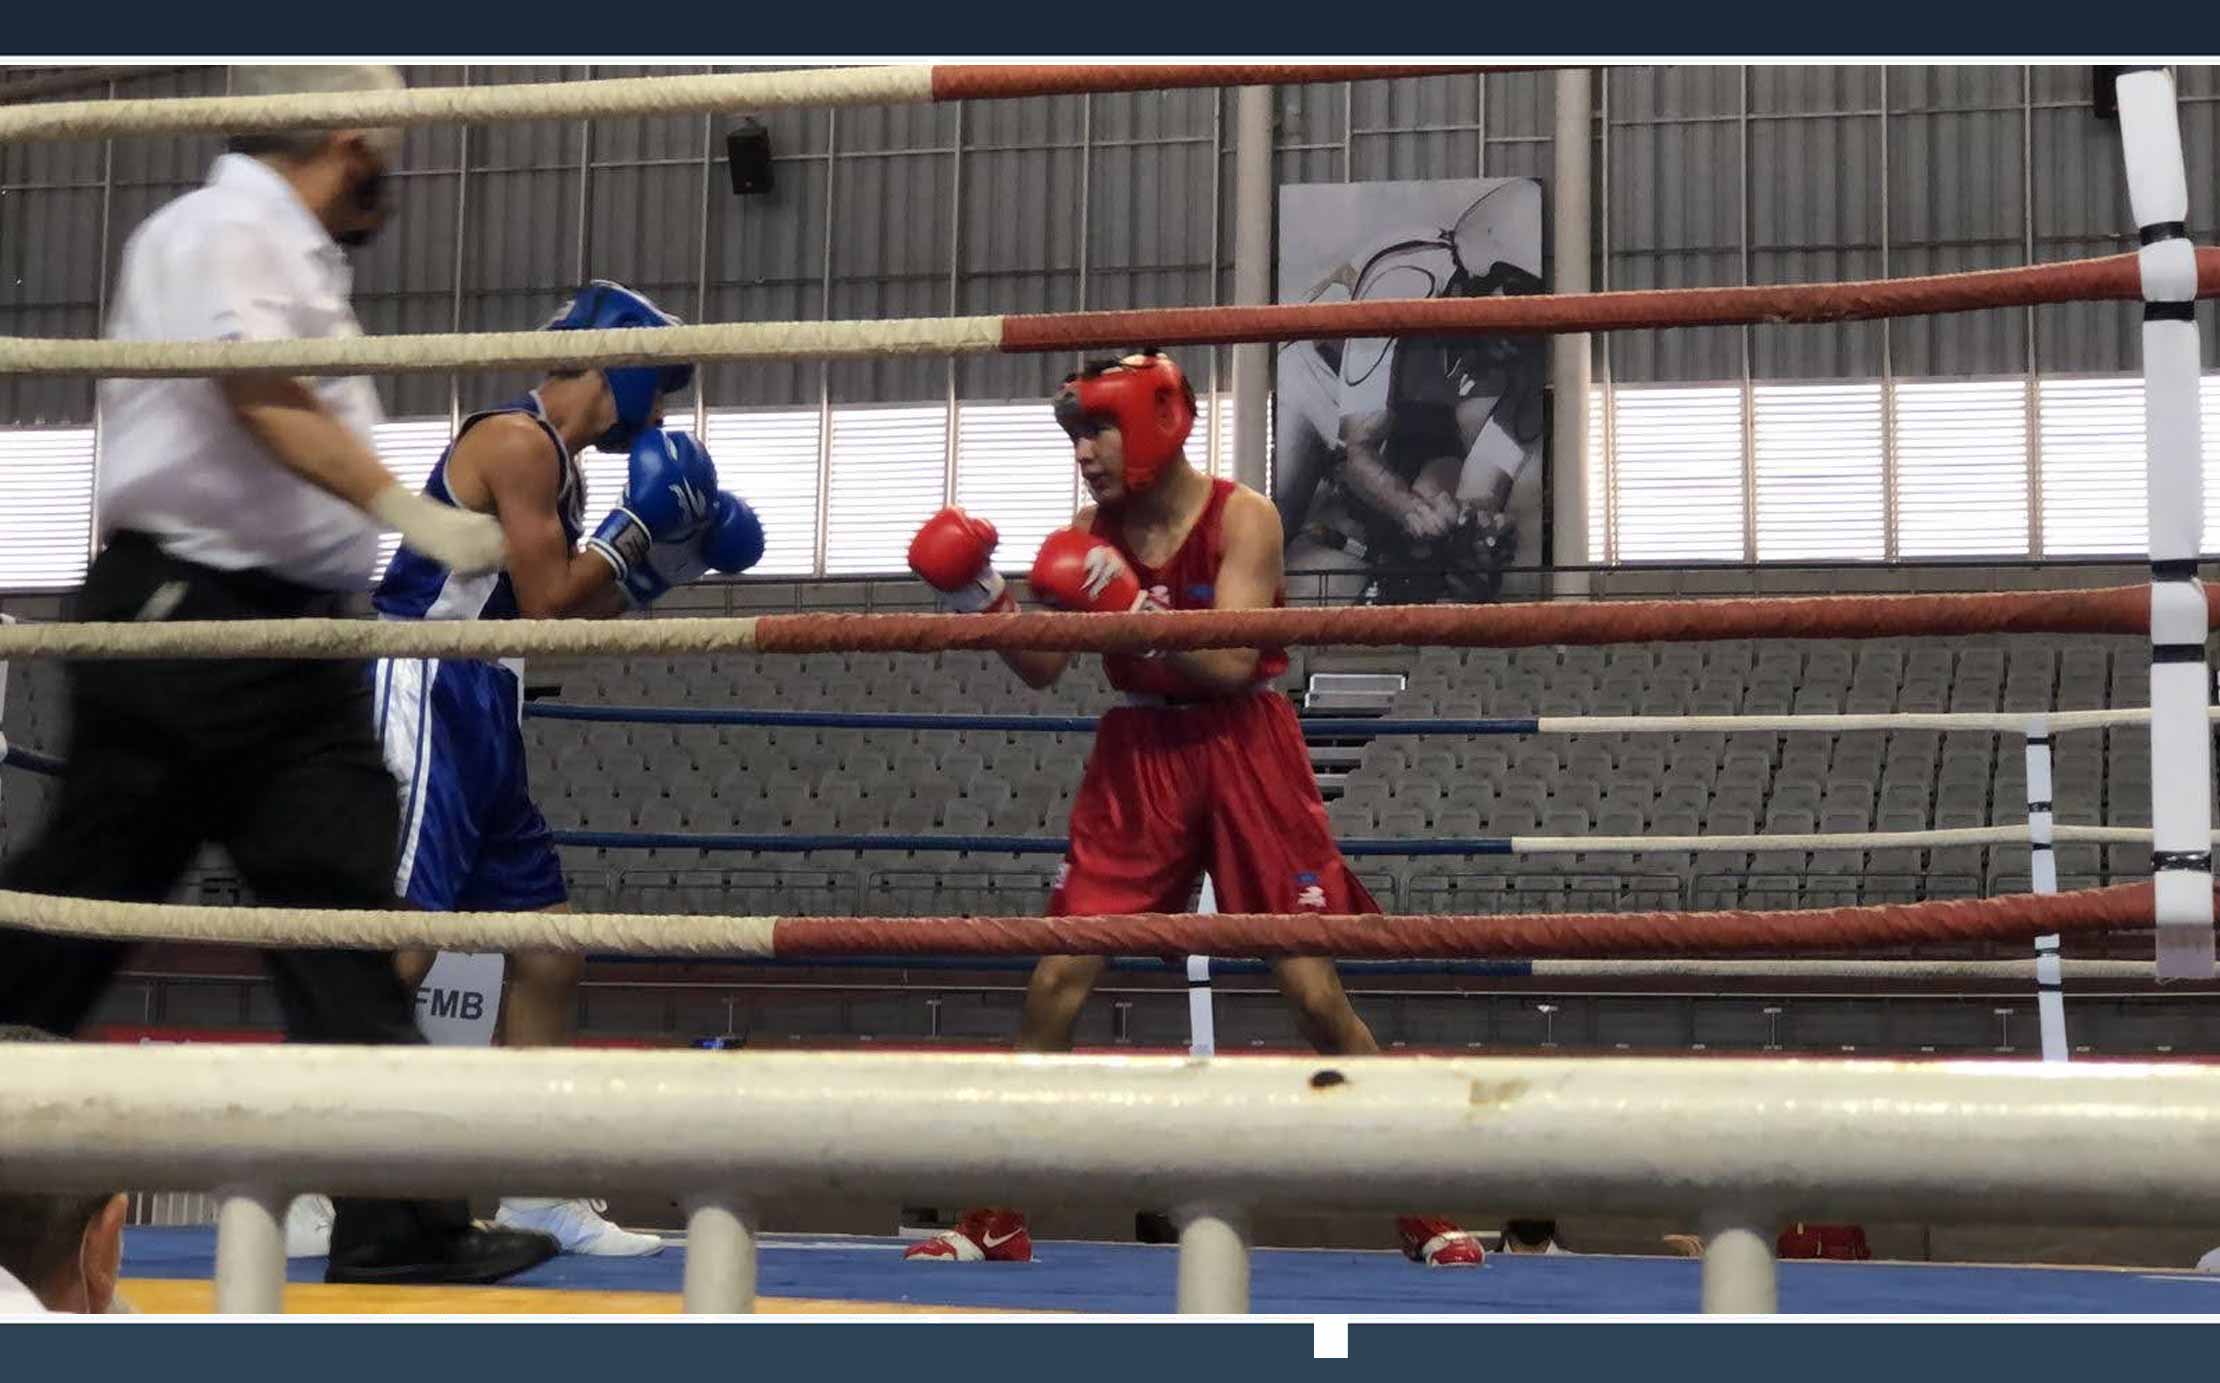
471,839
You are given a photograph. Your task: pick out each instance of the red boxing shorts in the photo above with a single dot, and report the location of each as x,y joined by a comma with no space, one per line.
1224,786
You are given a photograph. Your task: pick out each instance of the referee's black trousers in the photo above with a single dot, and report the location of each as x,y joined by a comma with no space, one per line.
275,761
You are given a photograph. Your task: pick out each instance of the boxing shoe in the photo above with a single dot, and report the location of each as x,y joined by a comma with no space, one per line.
1437,1243
580,1226
981,1236
308,1227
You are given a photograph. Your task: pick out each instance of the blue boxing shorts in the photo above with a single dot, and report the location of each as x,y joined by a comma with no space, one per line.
471,840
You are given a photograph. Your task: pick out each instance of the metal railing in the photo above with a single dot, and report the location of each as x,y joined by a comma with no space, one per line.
1737,1147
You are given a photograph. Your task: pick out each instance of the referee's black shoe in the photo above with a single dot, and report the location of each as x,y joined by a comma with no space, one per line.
427,1242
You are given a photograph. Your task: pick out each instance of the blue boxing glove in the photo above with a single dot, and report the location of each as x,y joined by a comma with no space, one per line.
734,540
731,542
669,487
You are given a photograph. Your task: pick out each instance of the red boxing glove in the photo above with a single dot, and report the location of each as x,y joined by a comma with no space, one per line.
954,554
1078,571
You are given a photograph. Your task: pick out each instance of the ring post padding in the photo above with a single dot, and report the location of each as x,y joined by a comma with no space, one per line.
2181,734
1202,1021
2173,429
2150,137
2042,860
2181,818
2181,785
2169,270
1202,1015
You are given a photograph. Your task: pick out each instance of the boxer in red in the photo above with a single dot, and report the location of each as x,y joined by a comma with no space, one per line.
1203,767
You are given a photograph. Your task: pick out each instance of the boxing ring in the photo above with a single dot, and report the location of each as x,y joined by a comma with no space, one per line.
1734,1146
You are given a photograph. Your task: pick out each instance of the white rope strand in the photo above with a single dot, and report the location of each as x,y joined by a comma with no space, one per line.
693,94
364,638
501,350
632,934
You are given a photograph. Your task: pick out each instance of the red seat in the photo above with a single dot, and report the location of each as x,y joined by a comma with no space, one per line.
1823,1241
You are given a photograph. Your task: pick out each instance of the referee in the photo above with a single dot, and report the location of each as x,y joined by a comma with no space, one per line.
251,497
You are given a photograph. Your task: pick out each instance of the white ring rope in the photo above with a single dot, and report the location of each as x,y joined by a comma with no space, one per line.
710,935
603,99
632,934
503,350
369,638
675,94
703,634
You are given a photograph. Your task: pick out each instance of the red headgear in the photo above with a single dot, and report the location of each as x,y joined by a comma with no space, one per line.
1145,397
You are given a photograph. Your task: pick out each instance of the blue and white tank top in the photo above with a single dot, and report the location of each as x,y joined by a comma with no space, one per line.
416,587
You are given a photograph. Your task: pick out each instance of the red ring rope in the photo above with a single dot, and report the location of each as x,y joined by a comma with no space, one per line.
2117,277
992,82
2098,610
2012,917
2113,278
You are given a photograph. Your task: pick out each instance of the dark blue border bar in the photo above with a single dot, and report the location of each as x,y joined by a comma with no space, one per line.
1237,32
1043,724
492,1348
828,720
32,761
1000,845
1573,1347
1141,965
1822,1351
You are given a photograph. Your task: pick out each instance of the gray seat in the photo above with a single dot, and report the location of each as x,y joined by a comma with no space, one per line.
660,814
912,816
1513,817
910,766
966,818
1439,765
1795,796
1577,794
1403,822
1642,765
1738,798
813,816
1716,696
1528,794
1469,793
1836,819
1420,794
1351,818
1455,822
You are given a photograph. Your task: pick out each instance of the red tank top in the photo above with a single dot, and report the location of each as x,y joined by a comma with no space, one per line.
1189,581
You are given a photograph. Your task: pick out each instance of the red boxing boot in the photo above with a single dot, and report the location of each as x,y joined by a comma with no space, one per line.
1437,1243
981,1236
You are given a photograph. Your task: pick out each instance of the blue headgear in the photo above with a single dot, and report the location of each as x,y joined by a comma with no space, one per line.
635,388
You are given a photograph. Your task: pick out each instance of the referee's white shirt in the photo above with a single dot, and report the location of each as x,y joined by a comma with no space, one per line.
239,258
17,1299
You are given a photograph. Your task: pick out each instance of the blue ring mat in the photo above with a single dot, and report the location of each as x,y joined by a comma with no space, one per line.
1138,1278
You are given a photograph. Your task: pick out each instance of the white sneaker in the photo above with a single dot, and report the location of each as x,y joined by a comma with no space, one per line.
308,1227
580,1226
